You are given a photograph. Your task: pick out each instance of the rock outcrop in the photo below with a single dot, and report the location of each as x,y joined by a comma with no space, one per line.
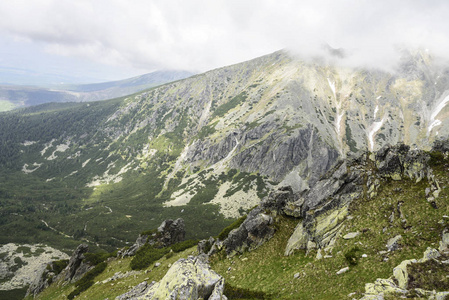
324,207
189,278
46,278
168,233
253,232
258,226
401,283
77,266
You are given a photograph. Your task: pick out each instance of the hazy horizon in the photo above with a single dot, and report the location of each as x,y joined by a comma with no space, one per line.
52,42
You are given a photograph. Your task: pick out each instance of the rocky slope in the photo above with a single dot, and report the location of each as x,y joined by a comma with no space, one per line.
377,215
213,145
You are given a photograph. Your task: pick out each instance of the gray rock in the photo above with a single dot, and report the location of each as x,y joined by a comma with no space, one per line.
77,267
137,291
283,201
190,278
393,243
171,232
253,232
344,270
205,246
444,243
351,235
326,208
141,240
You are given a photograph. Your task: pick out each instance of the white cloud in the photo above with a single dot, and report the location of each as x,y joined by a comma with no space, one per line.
201,35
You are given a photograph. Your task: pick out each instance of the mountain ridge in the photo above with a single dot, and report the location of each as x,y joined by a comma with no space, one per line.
14,96
213,144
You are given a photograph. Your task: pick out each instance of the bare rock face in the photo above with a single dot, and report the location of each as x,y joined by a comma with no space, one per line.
324,207
77,267
168,233
188,278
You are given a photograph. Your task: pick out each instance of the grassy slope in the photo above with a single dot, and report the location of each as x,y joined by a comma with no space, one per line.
266,269
117,287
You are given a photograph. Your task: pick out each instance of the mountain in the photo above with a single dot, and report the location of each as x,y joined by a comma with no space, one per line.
14,96
373,227
207,148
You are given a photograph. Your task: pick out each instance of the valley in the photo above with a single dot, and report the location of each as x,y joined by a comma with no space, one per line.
208,149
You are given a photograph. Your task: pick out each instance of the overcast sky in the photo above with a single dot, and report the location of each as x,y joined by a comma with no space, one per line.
97,40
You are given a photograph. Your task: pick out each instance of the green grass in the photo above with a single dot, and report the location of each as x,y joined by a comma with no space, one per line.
221,110
268,271
115,288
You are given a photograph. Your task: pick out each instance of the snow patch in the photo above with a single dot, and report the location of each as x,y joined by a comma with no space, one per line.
372,131
332,86
338,121
434,113
375,111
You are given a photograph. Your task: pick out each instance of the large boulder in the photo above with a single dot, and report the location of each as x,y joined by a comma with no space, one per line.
188,278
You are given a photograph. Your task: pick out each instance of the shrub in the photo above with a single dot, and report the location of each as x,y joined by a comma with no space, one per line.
233,292
146,255
353,255
96,258
181,246
224,234
87,280
59,265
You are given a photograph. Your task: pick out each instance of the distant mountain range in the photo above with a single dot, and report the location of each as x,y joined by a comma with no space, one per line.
15,96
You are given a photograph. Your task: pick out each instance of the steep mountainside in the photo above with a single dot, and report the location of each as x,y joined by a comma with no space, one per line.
373,227
15,96
213,144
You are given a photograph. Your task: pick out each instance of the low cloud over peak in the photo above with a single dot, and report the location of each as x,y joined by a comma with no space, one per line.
141,36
